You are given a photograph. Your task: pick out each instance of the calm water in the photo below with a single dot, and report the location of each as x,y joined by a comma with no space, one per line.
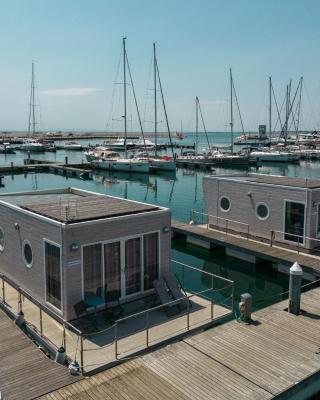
181,192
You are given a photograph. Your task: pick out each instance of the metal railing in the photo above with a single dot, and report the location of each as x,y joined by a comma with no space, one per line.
40,318
299,242
225,224
148,327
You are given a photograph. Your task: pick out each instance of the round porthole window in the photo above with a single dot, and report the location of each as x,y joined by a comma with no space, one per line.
27,254
262,211
225,204
1,239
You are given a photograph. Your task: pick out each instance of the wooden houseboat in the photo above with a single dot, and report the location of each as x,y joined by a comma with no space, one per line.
65,246
273,208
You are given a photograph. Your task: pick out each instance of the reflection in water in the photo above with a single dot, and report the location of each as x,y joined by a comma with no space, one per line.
261,280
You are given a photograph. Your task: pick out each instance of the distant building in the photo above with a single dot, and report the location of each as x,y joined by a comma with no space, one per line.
264,205
62,245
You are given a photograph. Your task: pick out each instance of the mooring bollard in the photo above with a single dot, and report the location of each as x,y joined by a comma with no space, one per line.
20,319
245,307
60,356
66,160
295,288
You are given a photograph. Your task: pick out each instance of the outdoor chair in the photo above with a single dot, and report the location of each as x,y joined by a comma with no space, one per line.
115,310
165,298
175,289
83,320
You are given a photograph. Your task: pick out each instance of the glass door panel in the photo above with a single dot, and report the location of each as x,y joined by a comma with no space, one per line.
132,266
112,271
92,271
151,259
294,221
53,275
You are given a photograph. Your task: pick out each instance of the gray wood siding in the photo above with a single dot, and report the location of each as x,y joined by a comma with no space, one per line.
243,206
109,229
11,261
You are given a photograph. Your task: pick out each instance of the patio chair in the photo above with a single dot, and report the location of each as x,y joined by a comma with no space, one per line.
114,311
165,297
175,290
85,322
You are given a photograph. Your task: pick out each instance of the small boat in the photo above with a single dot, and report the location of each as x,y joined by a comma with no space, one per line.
119,144
5,148
122,164
99,152
72,146
272,156
32,145
164,163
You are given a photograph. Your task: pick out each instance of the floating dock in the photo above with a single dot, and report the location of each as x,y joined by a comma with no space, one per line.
26,373
275,357
247,248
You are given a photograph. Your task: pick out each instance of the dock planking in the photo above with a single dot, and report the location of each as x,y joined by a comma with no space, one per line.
25,371
274,357
252,247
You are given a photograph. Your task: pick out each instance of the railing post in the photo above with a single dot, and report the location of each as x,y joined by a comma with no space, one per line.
81,353
19,301
64,337
3,291
212,298
190,216
183,276
188,314
271,238
116,340
232,298
147,328
40,318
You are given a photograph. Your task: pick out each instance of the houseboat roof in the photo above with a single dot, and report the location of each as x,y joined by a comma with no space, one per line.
271,180
74,205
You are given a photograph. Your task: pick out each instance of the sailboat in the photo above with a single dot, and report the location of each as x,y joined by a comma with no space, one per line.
32,144
165,163
116,163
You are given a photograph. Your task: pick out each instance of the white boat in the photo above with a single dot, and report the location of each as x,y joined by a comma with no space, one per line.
99,152
72,146
32,145
272,156
163,163
146,144
122,164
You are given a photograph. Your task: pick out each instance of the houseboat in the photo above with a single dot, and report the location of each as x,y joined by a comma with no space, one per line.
267,207
67,246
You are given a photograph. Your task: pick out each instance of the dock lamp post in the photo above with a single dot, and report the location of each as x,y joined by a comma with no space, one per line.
295,288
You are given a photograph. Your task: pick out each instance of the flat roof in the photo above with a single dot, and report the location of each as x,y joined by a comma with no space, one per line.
272,180
71,206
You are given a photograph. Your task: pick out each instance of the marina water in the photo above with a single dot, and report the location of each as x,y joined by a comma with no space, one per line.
181,192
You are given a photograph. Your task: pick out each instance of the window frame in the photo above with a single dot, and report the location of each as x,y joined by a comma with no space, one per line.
230,204
50,305
2,246
25,261
262,203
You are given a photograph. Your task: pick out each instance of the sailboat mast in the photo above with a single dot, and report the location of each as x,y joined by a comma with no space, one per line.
33,103
197,126
155,99
270,109
125,95
231,109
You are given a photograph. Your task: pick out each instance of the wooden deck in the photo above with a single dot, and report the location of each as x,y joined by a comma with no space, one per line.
25,371
275,253
277,356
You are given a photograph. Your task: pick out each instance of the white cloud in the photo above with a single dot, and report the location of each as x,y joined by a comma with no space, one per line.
74,91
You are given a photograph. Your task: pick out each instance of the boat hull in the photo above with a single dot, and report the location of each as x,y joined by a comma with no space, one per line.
163,165
124,166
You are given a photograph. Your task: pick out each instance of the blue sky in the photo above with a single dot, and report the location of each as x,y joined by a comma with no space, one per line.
75,45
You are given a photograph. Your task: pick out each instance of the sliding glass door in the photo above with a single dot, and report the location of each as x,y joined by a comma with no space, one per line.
92,269
294,221
112,270
132,266
53,274
150,259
